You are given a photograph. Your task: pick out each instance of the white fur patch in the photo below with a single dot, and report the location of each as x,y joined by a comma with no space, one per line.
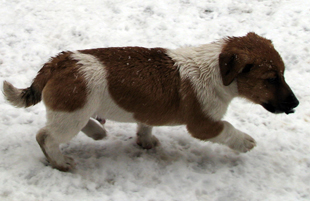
234,139
201,66
99,96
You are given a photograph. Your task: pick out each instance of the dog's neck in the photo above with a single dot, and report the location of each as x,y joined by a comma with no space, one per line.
200,65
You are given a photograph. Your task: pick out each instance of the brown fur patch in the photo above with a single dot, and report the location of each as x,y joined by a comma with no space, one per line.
250,49
259,70
142,81
66,88
146,83
265,60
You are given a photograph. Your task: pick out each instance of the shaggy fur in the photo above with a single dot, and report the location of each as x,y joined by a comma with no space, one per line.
190,86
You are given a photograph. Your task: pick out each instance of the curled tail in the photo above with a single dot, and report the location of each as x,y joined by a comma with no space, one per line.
31,95
21,97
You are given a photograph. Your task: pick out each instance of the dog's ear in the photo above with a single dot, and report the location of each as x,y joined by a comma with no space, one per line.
231,64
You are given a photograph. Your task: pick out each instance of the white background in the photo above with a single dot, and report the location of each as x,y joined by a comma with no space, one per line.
182,168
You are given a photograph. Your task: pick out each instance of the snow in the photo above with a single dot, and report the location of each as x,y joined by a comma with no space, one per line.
181,168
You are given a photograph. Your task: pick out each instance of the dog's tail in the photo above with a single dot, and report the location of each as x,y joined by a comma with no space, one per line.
31,95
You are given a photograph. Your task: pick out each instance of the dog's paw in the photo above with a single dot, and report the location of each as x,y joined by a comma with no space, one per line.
147,143
68,164
243,143
94,130
98,136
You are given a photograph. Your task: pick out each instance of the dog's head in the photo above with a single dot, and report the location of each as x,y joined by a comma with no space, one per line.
259,72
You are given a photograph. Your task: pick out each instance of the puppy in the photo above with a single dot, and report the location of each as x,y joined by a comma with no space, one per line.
189,86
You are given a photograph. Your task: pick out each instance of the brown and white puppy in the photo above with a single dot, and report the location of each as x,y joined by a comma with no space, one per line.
189,86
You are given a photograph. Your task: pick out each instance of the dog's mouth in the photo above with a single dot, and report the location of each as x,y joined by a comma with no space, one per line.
277,110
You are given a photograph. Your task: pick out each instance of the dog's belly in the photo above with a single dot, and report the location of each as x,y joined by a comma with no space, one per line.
117,114
108,109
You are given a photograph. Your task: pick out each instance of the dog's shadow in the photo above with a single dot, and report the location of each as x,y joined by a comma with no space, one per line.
123,152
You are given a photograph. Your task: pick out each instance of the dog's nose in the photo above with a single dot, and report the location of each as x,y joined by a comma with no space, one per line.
292,101
289,104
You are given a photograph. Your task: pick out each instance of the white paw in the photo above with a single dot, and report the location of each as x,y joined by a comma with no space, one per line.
98,136
235,139
147,142
66,165
242,143
94,130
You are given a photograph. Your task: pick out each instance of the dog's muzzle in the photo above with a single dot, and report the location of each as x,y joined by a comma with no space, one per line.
287,106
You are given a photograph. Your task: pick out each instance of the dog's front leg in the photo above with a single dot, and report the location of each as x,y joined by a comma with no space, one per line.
234,138
222,132
145,139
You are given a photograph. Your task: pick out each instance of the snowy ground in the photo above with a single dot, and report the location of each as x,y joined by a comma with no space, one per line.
182,168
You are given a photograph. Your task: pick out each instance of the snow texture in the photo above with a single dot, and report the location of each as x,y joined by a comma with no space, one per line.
181,168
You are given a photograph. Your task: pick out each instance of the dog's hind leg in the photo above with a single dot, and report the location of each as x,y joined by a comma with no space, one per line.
94,130
145,139
60,128
50,148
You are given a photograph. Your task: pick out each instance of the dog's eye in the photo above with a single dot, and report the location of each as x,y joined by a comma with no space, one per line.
273,80
247,68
